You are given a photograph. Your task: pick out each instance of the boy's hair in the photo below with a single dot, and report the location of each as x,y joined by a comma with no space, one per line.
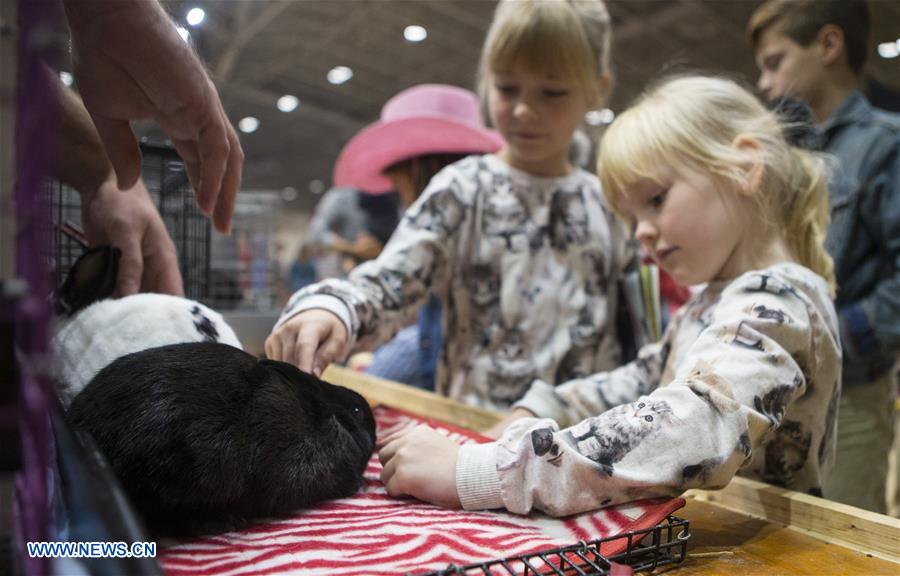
571,38
801,20
693,121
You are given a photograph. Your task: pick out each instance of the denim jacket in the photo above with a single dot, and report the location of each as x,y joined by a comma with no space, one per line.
864,235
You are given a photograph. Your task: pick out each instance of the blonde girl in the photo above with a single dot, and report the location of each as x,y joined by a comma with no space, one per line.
747,376
519,244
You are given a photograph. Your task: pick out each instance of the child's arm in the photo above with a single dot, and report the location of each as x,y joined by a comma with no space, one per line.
757,359
381,296
585,397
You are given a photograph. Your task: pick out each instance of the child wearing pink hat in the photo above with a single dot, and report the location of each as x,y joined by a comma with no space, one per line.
519,245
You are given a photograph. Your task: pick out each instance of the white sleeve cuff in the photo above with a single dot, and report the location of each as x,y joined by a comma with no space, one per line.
327,302
324,302
477,481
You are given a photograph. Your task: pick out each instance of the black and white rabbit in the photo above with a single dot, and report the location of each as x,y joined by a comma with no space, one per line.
205,437
94,329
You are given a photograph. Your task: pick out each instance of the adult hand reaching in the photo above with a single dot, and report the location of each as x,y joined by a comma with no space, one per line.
129,220
130,63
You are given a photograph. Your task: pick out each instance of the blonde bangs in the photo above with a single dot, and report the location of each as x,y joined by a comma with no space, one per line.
637,146
670,129
543,37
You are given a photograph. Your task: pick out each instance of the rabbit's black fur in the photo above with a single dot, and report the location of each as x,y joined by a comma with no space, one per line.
205,437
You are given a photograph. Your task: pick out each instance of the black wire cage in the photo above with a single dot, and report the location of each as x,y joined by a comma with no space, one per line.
164,175
645,550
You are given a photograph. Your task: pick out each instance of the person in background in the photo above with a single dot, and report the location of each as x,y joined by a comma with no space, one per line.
747,376
815,50
506,240
349,226
410,153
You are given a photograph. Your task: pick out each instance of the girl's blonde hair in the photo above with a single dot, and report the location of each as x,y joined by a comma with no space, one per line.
695,121
571,38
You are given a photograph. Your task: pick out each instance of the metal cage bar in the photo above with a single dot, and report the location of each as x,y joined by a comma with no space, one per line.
667,545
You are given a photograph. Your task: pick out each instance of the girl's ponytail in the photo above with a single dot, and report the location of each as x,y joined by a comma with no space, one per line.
807,213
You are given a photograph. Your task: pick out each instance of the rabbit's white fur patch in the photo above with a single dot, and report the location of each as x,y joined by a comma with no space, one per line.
106,330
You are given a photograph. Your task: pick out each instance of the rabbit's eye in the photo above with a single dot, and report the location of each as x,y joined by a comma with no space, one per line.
357,412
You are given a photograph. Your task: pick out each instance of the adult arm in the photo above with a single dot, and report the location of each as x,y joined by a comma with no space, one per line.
130,63
126,219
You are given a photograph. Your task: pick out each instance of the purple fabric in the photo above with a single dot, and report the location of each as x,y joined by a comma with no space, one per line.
35,118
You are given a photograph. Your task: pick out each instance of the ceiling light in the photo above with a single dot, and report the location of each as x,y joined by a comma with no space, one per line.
248,124
195,16
66,78
183,32
339,74
415,33
316,187
888,50
288,103
600,117
289,194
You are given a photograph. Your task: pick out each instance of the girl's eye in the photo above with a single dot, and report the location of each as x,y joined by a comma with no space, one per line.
506,89
658,200
556,93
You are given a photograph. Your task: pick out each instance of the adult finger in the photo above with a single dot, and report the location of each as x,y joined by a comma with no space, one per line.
231,183
213,147
131,264
170,281
121,149
167,278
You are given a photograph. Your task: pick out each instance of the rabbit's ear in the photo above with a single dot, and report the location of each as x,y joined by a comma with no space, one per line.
91,279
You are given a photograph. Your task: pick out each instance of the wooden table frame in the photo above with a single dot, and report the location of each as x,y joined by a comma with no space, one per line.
748,528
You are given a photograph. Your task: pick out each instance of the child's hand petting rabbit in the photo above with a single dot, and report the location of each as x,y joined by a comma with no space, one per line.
311,340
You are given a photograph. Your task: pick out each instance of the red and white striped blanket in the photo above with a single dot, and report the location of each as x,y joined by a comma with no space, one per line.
371,533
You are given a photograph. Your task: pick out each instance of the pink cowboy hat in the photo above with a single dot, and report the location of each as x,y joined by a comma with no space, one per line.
424,119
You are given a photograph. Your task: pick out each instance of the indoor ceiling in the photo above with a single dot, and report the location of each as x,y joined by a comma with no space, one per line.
259,50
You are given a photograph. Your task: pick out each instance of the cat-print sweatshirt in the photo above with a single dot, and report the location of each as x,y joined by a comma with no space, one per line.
523,266
746,380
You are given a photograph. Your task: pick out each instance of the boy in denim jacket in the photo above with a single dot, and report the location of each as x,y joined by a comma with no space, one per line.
815,50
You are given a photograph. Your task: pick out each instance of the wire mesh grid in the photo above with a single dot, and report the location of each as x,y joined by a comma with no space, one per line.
166,180
645,550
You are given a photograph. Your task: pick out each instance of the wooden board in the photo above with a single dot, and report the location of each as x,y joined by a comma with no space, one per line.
854,528
729,543
380,391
